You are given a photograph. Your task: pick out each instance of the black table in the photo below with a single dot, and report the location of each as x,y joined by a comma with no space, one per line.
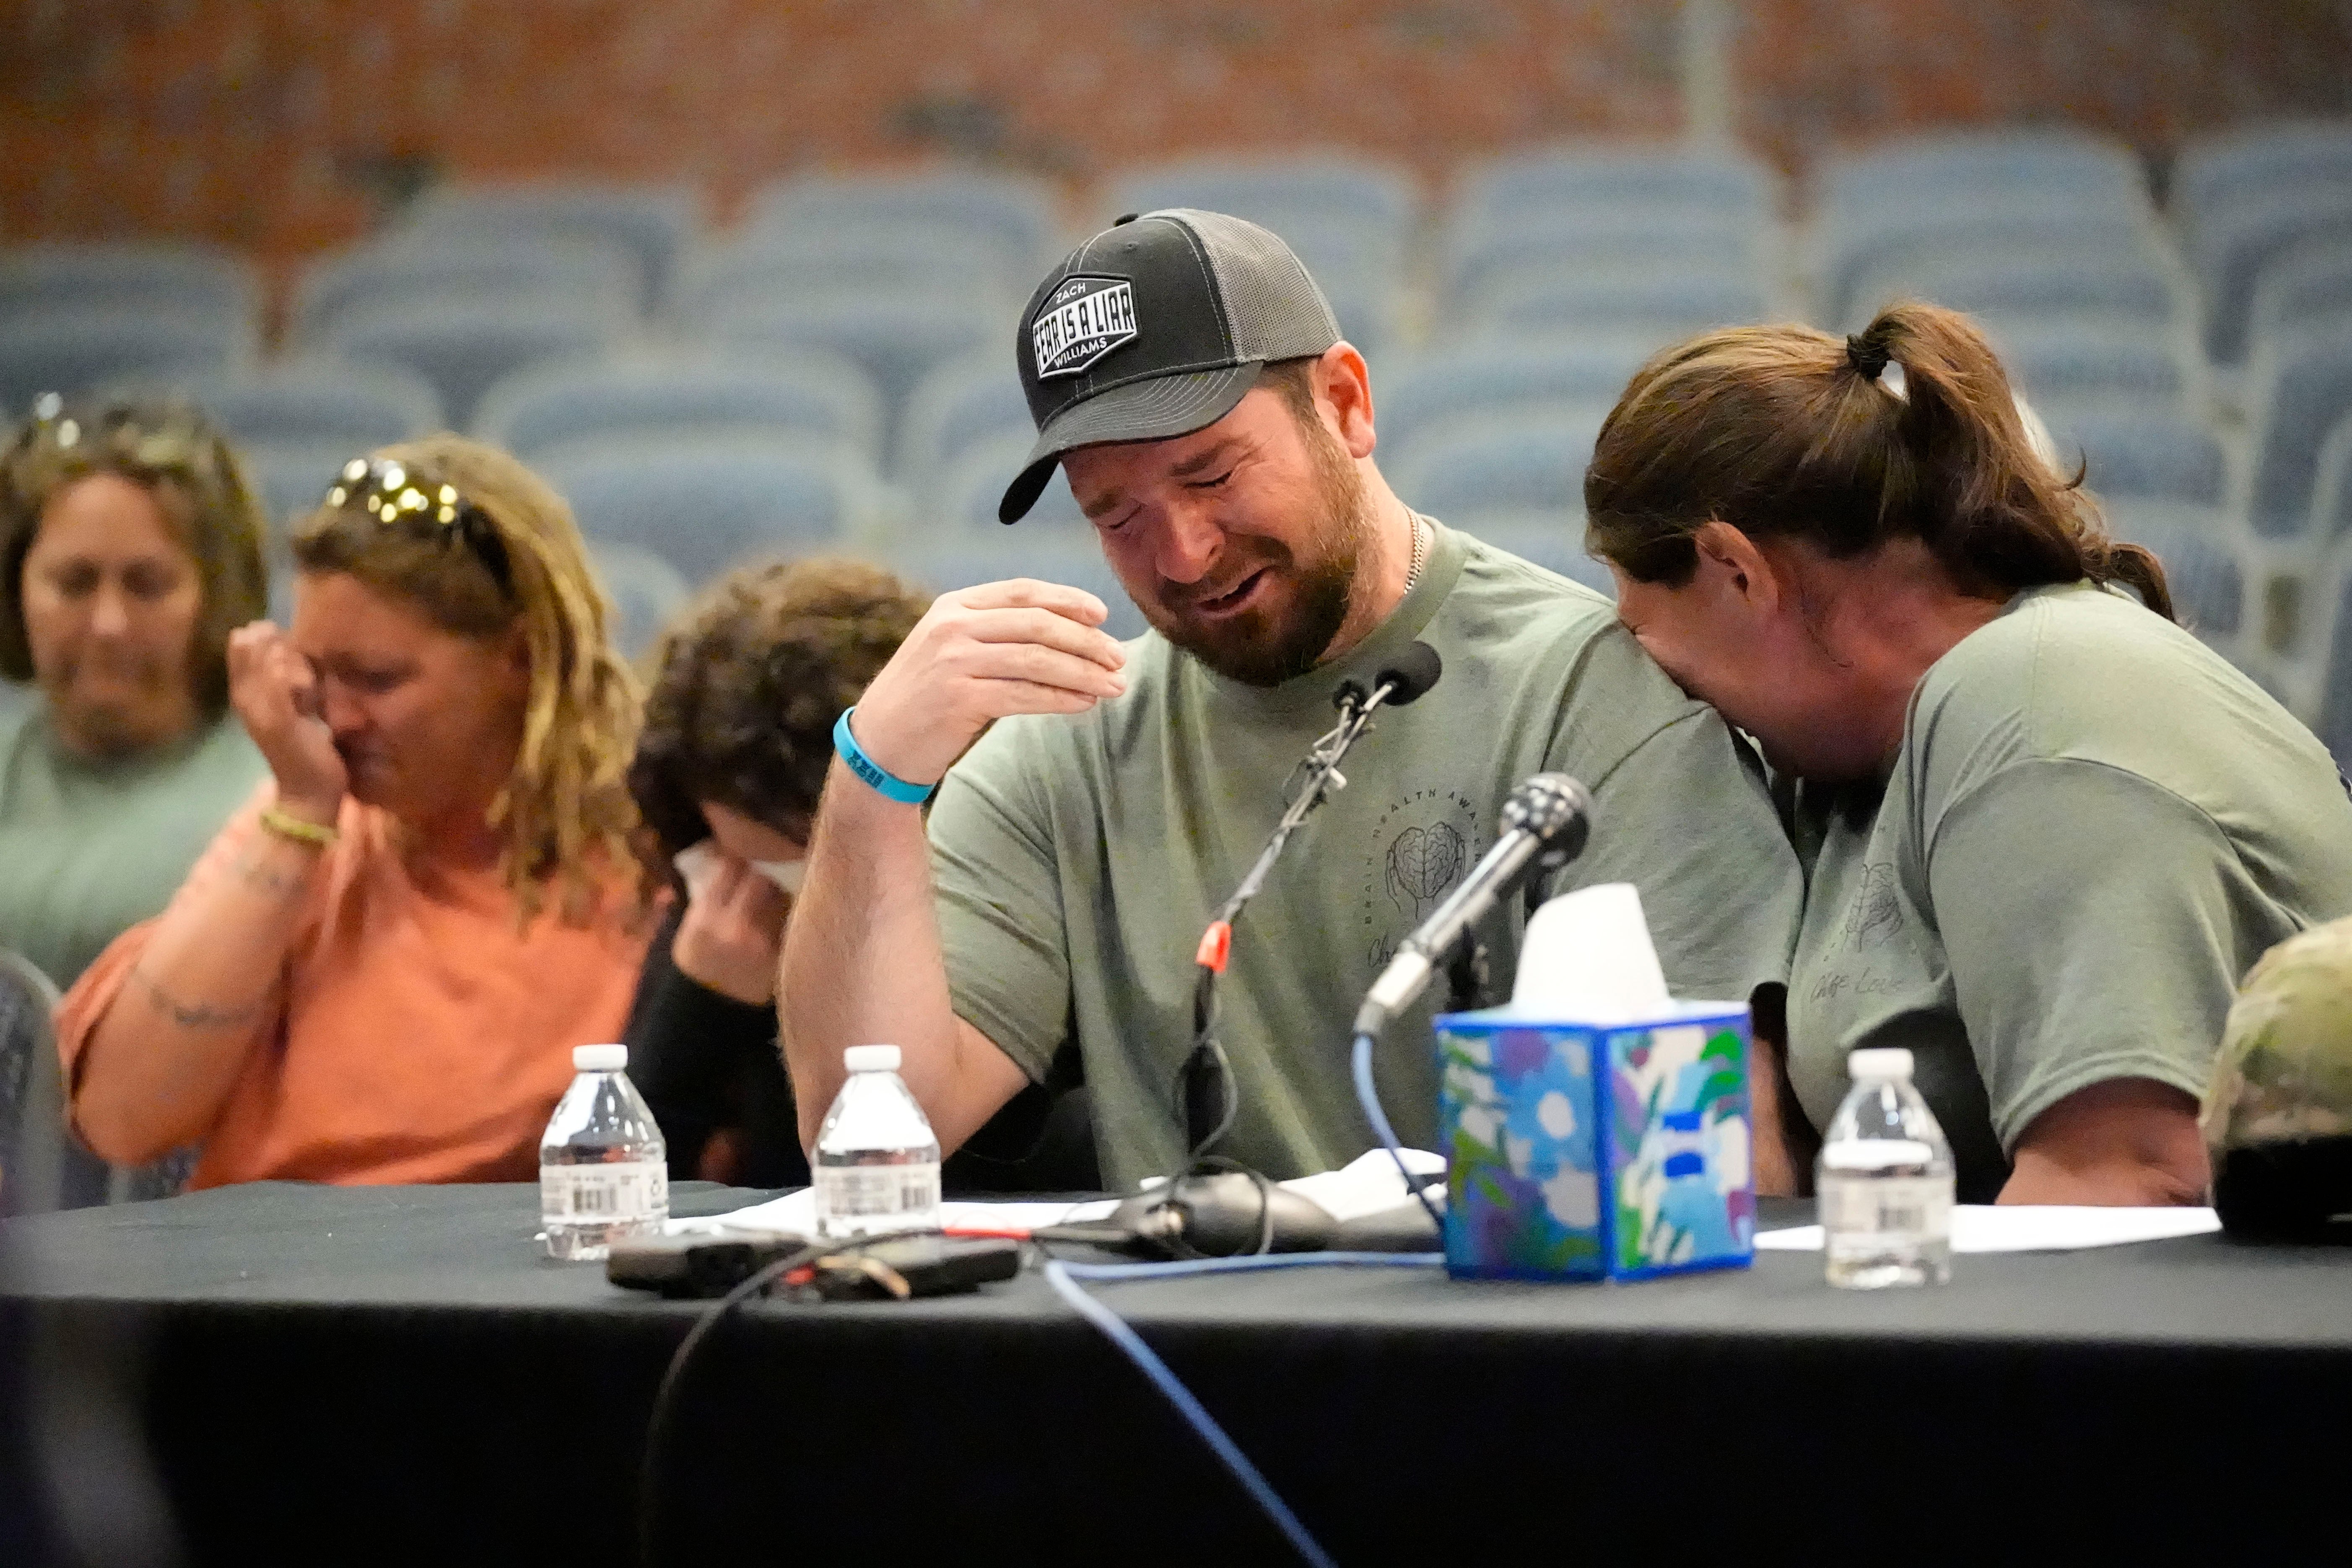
369,1374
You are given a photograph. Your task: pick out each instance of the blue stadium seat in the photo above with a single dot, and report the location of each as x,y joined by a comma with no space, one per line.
956,405
466,347
292,475
703,505
1495,377
756,274
2109,284
946,564
1529,460
644,589
2217,172
319,401
1677,239
2156,453
964,494
1909,241
2331,501
896,338
2089,174
1610,177
1553,539
1660,304
2245,201
2196,545
2232,247
193,281
806,393
79,350
2309,284
651,222
1009,216
2059,361
2303,390
423,272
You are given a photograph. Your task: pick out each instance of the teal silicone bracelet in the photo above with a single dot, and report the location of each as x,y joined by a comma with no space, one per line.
888,784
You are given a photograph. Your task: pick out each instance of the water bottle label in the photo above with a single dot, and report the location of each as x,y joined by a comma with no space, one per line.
1915,1208
615,1194
846,1190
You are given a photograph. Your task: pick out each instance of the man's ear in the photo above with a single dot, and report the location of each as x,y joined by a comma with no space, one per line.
1343,396
1740,565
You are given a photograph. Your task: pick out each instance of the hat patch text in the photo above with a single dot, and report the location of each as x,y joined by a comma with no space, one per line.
1080,321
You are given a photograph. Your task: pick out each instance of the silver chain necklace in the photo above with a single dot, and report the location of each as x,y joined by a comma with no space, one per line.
1420,552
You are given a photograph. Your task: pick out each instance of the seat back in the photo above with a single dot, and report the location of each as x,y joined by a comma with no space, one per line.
704,504
42,1167
80,351
809,393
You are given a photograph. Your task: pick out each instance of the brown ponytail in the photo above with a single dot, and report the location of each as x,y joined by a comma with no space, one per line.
1905,430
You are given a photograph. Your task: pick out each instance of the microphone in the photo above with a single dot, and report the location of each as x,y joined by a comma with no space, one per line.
1415,672
1205,1095
1545,825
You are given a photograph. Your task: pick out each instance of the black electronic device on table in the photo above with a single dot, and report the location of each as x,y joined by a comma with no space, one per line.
898,1267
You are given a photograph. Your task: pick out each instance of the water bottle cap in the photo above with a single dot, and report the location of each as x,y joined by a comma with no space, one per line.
1879,1065
871,1058
599,1059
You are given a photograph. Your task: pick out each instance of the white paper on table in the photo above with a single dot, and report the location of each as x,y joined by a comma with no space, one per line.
2034,1227
1367,1184
795,1214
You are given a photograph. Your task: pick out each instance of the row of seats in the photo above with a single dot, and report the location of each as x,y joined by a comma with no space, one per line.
2244,202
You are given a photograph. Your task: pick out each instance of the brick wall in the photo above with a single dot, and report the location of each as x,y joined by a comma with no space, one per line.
283,126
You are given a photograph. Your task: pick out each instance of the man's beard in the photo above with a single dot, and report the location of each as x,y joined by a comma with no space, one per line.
1255,647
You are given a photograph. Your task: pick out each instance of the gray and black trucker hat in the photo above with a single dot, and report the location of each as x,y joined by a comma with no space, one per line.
1155,328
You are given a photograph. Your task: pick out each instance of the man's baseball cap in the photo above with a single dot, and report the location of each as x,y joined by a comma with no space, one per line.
1155,328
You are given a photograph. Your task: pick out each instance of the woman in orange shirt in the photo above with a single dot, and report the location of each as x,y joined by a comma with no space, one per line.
378,970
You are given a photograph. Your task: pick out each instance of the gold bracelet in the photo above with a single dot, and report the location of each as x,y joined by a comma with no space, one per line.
294,827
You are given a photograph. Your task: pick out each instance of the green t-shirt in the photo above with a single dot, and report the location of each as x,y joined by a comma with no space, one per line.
1078,858
2094,827
88,851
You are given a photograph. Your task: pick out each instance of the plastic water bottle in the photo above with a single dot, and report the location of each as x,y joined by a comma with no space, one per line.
604,1171
1885,1180
877,1160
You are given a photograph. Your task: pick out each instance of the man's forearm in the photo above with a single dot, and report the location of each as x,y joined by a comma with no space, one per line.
862,959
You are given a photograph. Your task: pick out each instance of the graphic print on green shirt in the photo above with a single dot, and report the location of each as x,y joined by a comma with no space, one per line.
1078,858
2092,829
88,851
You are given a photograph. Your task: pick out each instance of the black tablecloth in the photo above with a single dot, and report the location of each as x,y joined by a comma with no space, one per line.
345,1375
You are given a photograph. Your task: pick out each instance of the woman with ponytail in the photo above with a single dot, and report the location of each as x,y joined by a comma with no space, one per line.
2046,830
379,969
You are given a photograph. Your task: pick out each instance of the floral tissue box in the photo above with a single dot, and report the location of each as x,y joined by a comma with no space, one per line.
1587,1151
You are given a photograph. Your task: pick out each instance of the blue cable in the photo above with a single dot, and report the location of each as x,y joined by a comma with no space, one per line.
1368,1095
1115,1329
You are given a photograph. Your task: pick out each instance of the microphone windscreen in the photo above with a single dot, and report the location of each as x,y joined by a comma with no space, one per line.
1415,672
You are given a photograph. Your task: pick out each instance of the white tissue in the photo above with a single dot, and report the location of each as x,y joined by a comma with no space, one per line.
1588,957
698,863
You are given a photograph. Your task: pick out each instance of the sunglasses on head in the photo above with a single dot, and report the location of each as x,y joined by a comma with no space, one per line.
164,437
396,497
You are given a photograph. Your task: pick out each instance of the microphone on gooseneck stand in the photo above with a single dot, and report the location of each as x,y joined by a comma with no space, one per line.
1206,1101
1545,825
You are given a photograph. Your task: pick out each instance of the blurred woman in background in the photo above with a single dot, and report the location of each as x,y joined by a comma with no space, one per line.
378,970
130,545
2046,830
738,736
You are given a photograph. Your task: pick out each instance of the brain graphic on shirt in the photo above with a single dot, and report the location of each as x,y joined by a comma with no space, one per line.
1423,863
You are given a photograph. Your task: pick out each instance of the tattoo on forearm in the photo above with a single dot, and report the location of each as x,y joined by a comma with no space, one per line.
263,877
193,1014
